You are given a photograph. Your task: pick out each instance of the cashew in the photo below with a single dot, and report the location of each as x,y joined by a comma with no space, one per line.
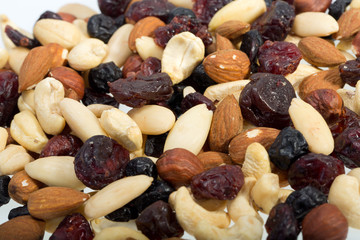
120,233
17,56
78,10
88,54
13,159
316,24
182,3
256,161
26,130
187,90
348,97
48,93
344,44
189,213
4,57
219,91
100,224
26,101
52,224
265,192
245,228
355,173
3,138
181,55
98,109
283,194
146,47
301,72
55,171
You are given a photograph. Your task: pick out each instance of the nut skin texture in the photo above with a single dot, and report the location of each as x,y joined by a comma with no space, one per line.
177,166
325,222
213,159
23,227
311,5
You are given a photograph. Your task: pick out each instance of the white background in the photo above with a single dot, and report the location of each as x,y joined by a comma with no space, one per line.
24,13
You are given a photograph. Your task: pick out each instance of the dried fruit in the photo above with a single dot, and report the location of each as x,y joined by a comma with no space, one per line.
154,145
4,195
347,146
101,27
250,45
311,5
337,8
349,72
19,211
61,145
194,99
141,9
93,97
113,8
206,9
73,227
8,96
141,165
20,39
102,74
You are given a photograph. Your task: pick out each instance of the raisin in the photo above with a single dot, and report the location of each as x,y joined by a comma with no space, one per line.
150,66
350,72
154,145
145,8
158,221
347,147
141,165
93,97
100,161
102,74
101,26
281,223
50,15
136,91
193,99
288,146
19,211
120,20
180,24
305,199
180,11
250,45
113,8
62,145
198,79
20,39
316,170
73,227
337,8
276,22
222,183
265,101
9,95
206,9
174,102
123,214
4,194
279,57
346,120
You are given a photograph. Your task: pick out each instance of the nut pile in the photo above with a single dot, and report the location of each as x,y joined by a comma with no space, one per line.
238,108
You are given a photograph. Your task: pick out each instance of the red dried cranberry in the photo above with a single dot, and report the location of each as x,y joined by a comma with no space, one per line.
73,227
150,66
132,65
347,147
145,8
62,145
9,95
206,9
346,120
113,8
194,99
350,72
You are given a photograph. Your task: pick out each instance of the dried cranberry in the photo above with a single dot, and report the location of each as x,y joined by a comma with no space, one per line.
265,101
316,170
279,57
113,8
100,161
20,39
62,145
276,22
132,65
337,8
347,119
347,147
350,72
150,66
102,74
250,45
158,221
206,9
141,165
145,8
19,211
101,26
154,145
93,97
50,15
193,99
9,95
180,11
73,227
4,194
223,183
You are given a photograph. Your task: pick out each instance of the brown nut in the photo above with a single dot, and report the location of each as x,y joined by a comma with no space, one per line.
178,166
325,222
132,65
22,227
311,5
233,29
67,16
349,24
223,43
213,159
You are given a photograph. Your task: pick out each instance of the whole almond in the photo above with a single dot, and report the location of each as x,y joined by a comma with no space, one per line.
320,52
213,159
349,24
52,202
23,227
233,29
223,43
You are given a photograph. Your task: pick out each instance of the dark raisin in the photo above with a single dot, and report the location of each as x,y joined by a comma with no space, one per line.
276,22
113,8
136,91
288,146
73,227
347,147
158,221
193,99
102,74
223,183
9,95
175,101
20,39
265,101
337,8
281,223
206,9
101,26
141,165
150,66
316,170
145,8
305,199
4,194
346,120
18,211
62,145
120,20
279,57
250,45
154,145
100,161
123,214
182,24
350,72
180,11
93,97
198,79
50,15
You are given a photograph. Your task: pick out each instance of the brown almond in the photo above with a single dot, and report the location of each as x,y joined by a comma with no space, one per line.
311,5
67,16
233,29
51,202
23,227
227,122
320,52
223,43
213,159
349,24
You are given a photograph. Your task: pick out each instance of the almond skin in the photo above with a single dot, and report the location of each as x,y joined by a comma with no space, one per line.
213,159
23,227
311,5
349,24
223,43
233,29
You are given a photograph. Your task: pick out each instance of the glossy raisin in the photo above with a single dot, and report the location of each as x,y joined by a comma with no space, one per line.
350,72
136,91
198,79
347,147
288,146
276,22
18,211
113,8
93,97
337,8
145,8
250,45
193,99
4,194
9,95
206,9
102,74
158,221
120,20
50,15
100,161
141,165
62,145
222,183
281,223
180,11
20,39
101,26
174,102
150,66
123,214
73,227
154,145
305,199
346,120
279,57
316,170
265,101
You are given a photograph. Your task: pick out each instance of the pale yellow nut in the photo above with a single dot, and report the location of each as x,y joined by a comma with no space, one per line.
17,56
13,159
182,3
317,24
355,4
98,109
257,161
357,98
301,72
26,101
283,194
187,90
265,192
120,233
293,39
4,57
344,44
146,47
348,97
347,55
78,10
3,138
100,224
355,173
82,26
218,92
52,224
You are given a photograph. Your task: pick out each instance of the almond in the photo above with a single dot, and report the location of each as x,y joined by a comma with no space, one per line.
51,202
233,29
144,27
238,145
223,43
311,5
23,227
320,52
349,24
213,159
227,65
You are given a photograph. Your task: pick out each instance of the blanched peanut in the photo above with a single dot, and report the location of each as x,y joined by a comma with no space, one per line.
3,138
182,3
26,101
17,56
13,159
82,26
78,10
146,47
316,24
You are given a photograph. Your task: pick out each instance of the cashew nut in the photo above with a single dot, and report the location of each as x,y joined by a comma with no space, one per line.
78,10
256,161
13,159
17,56
3,138
212,204
265,192
26,101
98,109
120,233
4,57
219,91
100,224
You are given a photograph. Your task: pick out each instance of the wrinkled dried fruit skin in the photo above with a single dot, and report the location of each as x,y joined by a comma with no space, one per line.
20,39
194,99
265,101
174,103
62,145
93,97
350,72
250,45
305,199
73,227
198,79
9,95
123,214
141,165
19,211
100,75
101,26
276,22
180,11
182,24
269,2
50,15
158,221
316,170
206,9
100,161
145,8
281,223
150,66
113,8
337,8
154,145
279,57
136,91
347,147
4,194
288,146
132,65
347,119
222,183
